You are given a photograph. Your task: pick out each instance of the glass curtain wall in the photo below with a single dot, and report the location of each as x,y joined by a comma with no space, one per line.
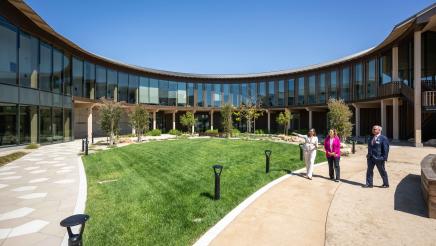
66,73
58,125
77,77
217,95
301,90
112,81
28,53
235,95
312,93
123,87
57,71
45,125
253,93
181,94
244,97
28,124
405,62
154,91
133,89
8,124
68,129
281,94
89,80
333,88
144,90
271,93
200,95
226,92
172,93
371,82
208,95
190,95
429,56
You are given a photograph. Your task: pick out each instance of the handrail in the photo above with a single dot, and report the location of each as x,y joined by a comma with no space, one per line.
429,98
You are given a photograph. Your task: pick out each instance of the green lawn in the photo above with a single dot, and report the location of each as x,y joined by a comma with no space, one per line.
159,193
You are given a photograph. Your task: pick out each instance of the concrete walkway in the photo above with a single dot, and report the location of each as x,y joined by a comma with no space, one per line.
37,192
298,211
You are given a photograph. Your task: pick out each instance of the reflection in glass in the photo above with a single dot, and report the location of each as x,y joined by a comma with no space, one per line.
144,90
28,124
208,102
200,95
89,80
77,77
217,95
301,90
45,125
133,88
58,125
154,91
172,93
67,75
291,92
112,81
322,91
45,63
385,68
28,51
57,71
333,84
345,91
281,95
181,94
262,94
100,82
271,93
8,124
191,94
123,84
67,124
371,79
311,89
8,53
358,82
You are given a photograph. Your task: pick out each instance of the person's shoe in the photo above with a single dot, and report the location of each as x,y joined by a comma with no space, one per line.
385,186
367,186
337,180
309,178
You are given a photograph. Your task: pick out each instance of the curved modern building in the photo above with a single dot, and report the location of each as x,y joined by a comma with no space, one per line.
50,87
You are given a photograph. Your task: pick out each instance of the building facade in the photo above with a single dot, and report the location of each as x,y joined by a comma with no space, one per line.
50,88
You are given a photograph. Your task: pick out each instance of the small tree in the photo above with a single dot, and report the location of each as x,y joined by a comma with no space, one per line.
226,114
249,112
188,120
139,120
339,117
283,120
110,112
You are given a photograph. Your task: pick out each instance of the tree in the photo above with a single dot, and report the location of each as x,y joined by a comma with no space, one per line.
283,119
139,119
249,111
188,120
110,112
339,117
227,122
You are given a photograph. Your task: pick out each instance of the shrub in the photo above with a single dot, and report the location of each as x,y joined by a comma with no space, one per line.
155,132
339,117
175,132
212,133
32,146
235,132
259,131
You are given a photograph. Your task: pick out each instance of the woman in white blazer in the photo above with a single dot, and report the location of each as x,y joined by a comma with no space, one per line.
309,149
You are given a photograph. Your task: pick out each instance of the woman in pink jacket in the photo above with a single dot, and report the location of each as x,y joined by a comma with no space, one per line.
332,146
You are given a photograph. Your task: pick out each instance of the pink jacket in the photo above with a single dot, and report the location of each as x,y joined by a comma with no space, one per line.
336,146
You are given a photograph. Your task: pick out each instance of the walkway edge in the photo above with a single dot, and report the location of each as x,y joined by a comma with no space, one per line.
81,196
213,232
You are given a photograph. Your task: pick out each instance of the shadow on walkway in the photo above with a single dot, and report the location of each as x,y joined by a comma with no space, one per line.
345,181
408,196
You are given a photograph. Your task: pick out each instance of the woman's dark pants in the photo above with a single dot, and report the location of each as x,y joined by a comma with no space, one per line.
334,167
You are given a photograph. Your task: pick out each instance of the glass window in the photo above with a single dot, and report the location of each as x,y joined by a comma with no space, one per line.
45,125
226,92
235,95
217,95
163,92
271,93
8,53
28,124
208,95
244,93
28,60
133,88
322,91
333,84
67,124
345,92
359,92
301,91
181,94
191,94
385,68
154,91
172,93
262,94
89,80
281,99
67,75
291,92
100,82
252,93
45,66
57,71
405,62
112,81
58,125
123,85
77,77
8,124
144,90
200,95
312,87
371,83
428,59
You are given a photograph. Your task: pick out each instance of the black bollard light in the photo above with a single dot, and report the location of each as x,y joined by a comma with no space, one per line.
86,146
353,149
83,144
301,152
75,220
267,159
217,169
92,138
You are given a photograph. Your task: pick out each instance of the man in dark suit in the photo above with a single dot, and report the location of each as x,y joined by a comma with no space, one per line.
378,151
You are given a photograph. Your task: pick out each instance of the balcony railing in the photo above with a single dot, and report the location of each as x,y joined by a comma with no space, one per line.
390,89
429,99
428,85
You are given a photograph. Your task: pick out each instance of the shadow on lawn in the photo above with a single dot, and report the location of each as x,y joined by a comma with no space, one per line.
207,195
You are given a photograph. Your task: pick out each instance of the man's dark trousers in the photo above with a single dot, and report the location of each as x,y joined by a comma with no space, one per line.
381,169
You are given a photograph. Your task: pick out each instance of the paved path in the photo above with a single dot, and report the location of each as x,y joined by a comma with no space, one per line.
37,192
298,211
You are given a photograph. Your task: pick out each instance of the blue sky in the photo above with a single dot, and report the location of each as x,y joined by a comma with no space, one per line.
226,36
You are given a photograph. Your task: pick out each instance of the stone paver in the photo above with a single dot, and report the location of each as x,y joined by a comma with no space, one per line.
37,193
298,211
